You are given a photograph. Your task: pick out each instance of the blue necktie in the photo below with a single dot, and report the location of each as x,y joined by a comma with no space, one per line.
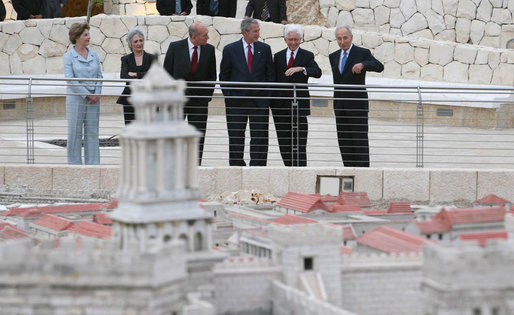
343,62
213,7
178,7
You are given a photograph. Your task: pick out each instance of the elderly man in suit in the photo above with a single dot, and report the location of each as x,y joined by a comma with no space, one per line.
247,60
293,65
349,66
174,7
267,10
192,59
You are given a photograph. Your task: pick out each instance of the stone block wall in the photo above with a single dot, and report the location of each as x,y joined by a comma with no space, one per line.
35,47
381,284
244,284
288,300
479,22
86,277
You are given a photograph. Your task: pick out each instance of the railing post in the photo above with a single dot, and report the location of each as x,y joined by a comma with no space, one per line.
30,124
295,136
420,124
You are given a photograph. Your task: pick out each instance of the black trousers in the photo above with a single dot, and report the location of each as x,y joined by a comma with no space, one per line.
128,113
352,135
239,112
292,131
196,112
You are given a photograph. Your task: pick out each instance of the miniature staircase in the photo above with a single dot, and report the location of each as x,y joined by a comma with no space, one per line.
313,284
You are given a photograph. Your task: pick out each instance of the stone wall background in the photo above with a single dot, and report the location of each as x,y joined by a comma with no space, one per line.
35,47
480,22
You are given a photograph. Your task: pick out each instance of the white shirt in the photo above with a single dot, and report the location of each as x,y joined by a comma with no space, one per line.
191,49
245,49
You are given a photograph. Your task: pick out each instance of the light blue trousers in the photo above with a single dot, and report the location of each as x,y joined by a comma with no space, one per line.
82,116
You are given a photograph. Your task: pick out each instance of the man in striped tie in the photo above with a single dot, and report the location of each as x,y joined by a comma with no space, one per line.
267,10
349,66
293,65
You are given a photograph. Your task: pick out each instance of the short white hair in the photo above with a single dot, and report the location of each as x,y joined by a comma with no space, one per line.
293,28
345,27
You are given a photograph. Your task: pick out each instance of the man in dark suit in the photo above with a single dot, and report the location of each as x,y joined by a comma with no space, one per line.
226,8
293,65
192,59
174,7
267,10
2,11
349,66
29,9
247,60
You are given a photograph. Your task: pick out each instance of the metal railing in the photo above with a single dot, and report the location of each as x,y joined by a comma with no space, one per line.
409,125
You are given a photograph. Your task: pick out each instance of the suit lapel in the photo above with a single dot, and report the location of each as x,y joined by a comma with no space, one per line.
337,57
240,51
185,55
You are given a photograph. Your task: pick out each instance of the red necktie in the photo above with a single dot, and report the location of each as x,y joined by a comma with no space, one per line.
194,59
250,58
291,60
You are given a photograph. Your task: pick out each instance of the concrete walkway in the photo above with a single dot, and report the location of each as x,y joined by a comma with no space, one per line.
392,144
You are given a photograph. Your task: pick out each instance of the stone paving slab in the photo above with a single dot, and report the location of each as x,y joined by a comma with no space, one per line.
392,144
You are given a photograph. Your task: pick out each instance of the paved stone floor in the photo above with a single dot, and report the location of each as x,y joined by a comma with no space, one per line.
392,144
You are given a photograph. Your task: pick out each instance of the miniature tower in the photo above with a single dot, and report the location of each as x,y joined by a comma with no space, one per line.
158,191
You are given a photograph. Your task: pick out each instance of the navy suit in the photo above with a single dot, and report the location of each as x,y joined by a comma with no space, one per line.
291,125
178,64
255,109
351,105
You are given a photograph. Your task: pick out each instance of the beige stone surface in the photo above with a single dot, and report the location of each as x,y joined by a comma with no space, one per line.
367,180
2,175
26,52
498,182
31,35
451,185
303,180
28,176
410,184
306,12
77,178
109,178
266,180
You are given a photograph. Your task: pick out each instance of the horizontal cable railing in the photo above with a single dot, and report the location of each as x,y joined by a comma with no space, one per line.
408,125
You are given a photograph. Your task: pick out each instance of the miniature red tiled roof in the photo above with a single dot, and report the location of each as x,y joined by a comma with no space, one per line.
491,199
482,238
10,232
289,219
391,240
433,227
472,215
336,208
345,250
54,222
356,198
88,228
39,211
113,204
328,198
399,207
348,233
102,218
301,202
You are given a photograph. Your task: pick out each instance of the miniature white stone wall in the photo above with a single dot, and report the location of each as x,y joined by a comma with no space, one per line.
472,275
381,284
35,47
480,22
244,284
69,280
288,300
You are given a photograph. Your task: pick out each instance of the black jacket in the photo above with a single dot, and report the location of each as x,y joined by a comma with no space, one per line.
24,8
226,8
167,7
128,64
277,9
2,11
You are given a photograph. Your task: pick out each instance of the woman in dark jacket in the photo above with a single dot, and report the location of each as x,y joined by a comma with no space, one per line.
133,66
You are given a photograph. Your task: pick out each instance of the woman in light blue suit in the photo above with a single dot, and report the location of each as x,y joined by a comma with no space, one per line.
83,99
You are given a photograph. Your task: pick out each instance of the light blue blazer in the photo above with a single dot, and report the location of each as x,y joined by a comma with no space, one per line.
75,66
